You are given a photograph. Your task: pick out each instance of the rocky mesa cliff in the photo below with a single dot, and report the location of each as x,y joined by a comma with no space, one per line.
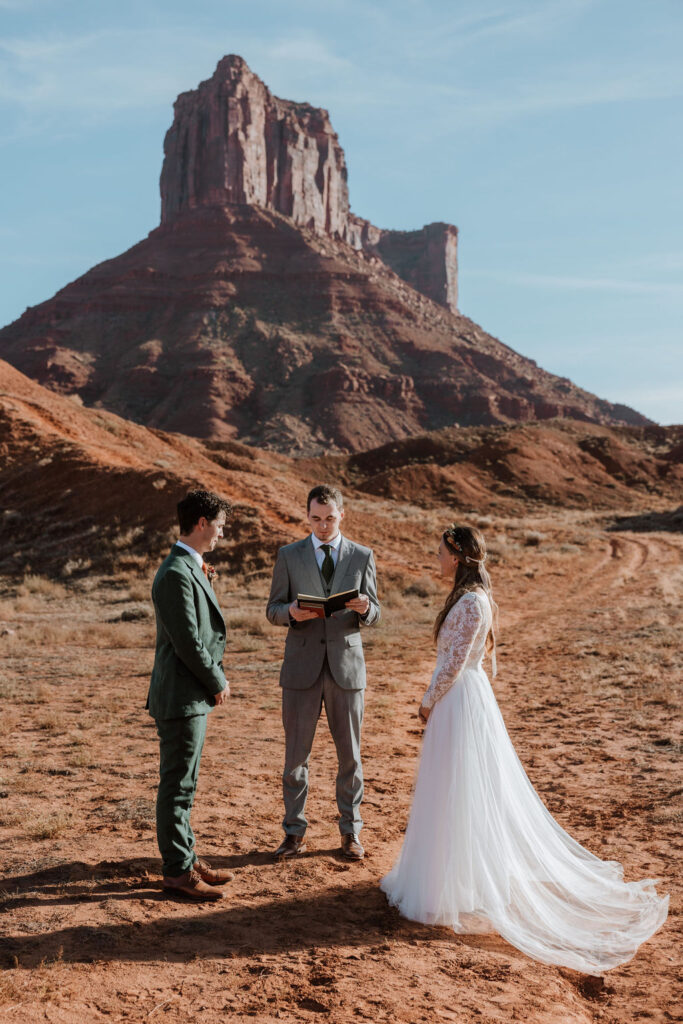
232,142
262,310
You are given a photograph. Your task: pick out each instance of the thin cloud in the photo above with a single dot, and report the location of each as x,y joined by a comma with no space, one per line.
566,282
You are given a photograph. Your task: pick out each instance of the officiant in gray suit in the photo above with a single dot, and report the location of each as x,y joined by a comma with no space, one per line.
323,663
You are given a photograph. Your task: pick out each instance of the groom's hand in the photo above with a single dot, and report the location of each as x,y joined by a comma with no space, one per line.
301,614
423,712
222,697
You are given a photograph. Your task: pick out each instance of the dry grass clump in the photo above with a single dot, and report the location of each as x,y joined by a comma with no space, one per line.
533,539
242,643
52,722
114,634
139,810
9,816
393,597
250,623
424,586
497,548
75,566
9,688
126,538
33,584
48,826
140,591
134,613
34,695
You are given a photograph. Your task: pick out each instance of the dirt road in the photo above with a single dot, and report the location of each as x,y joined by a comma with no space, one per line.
587,670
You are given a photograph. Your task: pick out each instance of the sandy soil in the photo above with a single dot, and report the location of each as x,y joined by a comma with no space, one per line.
586,684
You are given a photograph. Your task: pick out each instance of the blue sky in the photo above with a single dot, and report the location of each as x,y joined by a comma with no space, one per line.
549,131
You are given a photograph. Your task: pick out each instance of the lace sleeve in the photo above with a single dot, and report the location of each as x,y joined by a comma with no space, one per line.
455,643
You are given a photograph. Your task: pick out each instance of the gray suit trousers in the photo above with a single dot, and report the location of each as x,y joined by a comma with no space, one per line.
300,713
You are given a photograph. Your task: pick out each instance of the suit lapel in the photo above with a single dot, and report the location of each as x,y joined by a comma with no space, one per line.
199,576
345,550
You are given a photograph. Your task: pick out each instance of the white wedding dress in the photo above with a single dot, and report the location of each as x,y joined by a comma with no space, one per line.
482,852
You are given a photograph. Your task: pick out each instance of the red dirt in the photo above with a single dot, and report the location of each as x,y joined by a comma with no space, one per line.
587,686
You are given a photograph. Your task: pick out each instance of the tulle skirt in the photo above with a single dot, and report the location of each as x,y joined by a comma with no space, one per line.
482,852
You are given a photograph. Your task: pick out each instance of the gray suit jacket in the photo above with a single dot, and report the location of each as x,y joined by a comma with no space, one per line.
188,669
296,572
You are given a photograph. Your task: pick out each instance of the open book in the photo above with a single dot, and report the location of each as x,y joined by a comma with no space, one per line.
325,606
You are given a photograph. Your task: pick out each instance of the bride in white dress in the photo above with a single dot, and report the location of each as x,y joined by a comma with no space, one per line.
481,851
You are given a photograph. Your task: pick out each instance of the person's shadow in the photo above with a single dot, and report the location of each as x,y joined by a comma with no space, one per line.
355,916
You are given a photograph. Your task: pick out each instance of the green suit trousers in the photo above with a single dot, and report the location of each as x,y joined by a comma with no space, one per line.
180,746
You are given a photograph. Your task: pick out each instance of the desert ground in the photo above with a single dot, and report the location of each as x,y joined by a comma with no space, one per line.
587,686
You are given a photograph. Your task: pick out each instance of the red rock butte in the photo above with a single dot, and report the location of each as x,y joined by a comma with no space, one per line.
263,310
232,142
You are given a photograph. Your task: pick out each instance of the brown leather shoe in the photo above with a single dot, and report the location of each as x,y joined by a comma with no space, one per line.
290,847
351,848
212,876
190,884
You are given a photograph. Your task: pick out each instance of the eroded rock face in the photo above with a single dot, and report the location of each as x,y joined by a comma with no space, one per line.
232,142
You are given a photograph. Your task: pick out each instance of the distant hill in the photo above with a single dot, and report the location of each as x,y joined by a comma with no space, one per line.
82,489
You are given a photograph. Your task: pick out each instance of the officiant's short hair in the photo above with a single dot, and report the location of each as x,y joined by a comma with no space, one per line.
325,493
200,503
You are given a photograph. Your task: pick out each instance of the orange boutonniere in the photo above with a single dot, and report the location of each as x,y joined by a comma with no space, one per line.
211,573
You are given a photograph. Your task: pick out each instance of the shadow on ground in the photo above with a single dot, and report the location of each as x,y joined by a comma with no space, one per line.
647,522
337,916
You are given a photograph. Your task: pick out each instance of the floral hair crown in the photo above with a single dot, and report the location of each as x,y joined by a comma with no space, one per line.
451,533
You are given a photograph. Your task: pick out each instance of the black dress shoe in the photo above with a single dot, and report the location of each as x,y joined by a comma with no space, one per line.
351,848
290,846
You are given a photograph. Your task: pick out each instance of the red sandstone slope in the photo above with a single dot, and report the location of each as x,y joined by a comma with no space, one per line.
82,487
263,310
232,323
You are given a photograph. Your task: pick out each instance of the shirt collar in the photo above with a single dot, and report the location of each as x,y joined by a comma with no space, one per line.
195,554
317,543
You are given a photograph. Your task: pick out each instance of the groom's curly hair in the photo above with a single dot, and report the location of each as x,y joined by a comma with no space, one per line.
200,503
325,493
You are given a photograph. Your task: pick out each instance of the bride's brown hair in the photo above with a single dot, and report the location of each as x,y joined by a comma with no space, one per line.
469,547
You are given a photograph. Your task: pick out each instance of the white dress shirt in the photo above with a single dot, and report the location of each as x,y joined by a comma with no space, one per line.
320,554
195,554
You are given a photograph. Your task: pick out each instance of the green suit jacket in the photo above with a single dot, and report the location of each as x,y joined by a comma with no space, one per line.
190,643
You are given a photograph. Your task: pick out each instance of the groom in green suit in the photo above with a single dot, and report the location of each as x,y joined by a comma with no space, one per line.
187,682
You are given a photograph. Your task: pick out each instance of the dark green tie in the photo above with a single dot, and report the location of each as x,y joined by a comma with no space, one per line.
327,568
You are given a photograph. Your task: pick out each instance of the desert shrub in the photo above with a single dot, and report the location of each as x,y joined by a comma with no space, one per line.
52,722
48,826
42,586
532,538
483,522
140,591
497,549
139,810
114,634
242,643
392,597
76,565
134,613
425,586
249,622
126,538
